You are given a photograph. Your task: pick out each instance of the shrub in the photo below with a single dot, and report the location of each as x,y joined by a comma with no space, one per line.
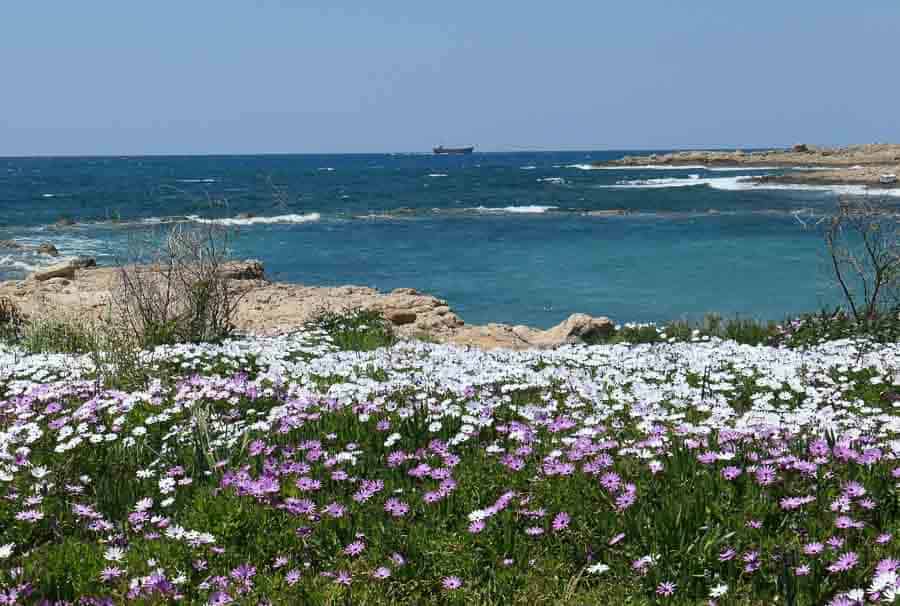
12,322
831,325
863,241
184,294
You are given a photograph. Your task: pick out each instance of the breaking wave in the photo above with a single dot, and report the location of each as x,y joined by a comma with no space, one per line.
556,180
640,167
235,221
527,209
745,184
207,180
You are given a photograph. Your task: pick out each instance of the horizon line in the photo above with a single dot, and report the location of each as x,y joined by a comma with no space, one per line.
518,150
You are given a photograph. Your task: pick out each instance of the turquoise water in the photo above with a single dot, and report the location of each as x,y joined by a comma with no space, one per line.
504,237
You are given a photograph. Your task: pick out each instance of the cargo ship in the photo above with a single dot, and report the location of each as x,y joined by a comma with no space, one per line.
441,150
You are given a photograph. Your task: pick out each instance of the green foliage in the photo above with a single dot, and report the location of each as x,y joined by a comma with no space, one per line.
742,330
812,329
53,335
355,329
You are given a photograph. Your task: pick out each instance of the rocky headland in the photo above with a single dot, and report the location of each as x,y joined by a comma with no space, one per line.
79,289
851,165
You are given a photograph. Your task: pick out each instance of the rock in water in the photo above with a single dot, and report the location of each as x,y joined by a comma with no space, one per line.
243,270
83,262
800,148
48,249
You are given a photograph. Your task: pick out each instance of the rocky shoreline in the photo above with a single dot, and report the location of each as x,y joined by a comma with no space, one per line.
80,290
851,165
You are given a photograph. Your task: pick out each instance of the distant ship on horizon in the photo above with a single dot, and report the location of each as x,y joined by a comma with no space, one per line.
441,150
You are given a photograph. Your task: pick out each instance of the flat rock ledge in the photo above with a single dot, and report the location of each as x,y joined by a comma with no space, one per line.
851,165
79,289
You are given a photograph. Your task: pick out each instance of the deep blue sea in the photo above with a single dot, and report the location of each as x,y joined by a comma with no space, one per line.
504,237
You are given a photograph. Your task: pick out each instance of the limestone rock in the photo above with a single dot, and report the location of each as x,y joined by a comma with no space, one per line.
83,262
60,270
243,270
576,327
272,308
400,317
48,249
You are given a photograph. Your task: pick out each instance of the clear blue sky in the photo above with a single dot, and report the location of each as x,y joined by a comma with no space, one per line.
231,76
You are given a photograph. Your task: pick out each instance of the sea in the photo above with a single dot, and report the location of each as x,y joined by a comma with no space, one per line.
520,238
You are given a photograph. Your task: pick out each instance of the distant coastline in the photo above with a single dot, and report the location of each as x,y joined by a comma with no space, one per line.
851,165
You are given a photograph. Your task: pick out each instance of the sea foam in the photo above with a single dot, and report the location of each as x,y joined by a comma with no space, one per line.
741,183
236,221
638,167
527,209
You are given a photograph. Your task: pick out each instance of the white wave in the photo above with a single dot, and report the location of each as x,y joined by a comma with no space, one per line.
556,180
528,209
746,168
741,183
690,181
637,167
437,175
727,169
529,167
812,167
48,195
838,190
206,180
327,169
9,262
233,221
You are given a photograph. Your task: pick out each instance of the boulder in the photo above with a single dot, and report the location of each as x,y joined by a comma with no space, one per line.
244,270
11,244
399,317
48,249
576,327
61,270
83,262
65,221
800,148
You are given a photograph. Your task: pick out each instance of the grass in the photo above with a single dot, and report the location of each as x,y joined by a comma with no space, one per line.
355,329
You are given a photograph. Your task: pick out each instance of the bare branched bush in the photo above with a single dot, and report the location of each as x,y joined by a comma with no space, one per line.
12,321
184,293
863,241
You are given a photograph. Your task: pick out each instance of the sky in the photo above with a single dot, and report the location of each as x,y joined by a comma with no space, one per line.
107,77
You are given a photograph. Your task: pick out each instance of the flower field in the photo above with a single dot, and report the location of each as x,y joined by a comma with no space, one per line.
285,471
